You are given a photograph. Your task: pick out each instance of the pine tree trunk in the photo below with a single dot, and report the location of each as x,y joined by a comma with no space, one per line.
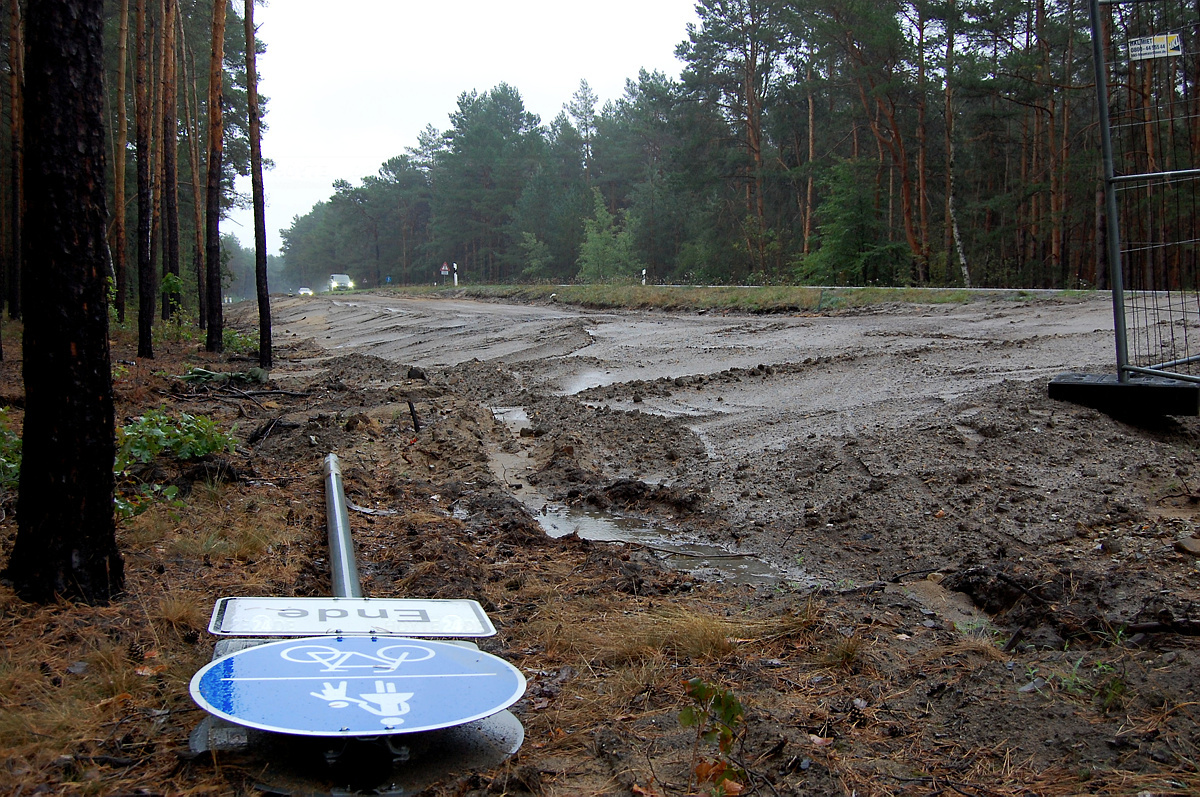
953,237
170,167
922,153
146,297
16,77
120,236
216,132
156,176
66,537
191,112
812,152
260,213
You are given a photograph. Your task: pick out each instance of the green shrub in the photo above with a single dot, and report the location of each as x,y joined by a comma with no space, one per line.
239,342
189,437
10,454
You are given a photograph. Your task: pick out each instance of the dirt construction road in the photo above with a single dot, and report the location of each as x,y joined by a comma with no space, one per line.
834,374
844,448
899,457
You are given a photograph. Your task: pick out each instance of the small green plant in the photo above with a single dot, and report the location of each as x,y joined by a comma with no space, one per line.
188,437
1074,682
137,501
717,715
172,290
1112,693
238,342
10,454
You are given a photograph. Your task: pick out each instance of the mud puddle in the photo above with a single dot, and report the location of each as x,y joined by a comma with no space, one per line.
709,561
511,463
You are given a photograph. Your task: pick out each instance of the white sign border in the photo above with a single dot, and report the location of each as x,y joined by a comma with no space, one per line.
224,605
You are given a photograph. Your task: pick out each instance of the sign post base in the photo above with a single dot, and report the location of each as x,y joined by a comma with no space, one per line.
307,766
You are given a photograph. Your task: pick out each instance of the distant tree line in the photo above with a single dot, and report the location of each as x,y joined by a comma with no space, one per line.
925,142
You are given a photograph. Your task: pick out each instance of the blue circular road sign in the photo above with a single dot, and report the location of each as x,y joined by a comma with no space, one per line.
356,686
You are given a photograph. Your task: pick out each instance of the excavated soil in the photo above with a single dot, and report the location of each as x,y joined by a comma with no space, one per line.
977,589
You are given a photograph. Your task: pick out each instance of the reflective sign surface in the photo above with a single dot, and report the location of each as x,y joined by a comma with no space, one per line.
336,616
356,686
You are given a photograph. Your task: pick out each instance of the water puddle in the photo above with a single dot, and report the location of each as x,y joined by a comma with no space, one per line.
515,418
512,464
702,559
586,380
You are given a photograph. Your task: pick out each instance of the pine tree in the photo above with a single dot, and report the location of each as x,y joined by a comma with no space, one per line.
66,538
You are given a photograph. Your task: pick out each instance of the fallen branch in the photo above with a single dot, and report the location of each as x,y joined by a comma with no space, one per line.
1186,627
264,431
246,395
295,393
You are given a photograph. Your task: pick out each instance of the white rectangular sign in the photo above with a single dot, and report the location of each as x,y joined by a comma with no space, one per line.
349,616
1163,45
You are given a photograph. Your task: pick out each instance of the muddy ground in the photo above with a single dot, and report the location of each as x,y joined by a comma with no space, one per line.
967,587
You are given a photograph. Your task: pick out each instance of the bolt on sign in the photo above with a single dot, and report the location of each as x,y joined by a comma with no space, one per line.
1163,45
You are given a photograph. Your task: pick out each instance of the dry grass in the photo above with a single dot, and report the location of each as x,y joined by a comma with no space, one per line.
732,298
844,651
573,629
184,612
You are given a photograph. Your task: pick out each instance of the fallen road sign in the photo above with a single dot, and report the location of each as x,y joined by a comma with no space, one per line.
356,686
349,616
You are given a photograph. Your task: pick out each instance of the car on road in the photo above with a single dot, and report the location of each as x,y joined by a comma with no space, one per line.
340,282
305,291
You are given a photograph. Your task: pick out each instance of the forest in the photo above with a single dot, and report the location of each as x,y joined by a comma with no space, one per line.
159,90
848,142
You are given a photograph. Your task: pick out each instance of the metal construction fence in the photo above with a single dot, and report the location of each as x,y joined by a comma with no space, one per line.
1147,61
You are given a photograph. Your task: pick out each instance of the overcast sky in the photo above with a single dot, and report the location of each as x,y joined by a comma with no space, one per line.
352,83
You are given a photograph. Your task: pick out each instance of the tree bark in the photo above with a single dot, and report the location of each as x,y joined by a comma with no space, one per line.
212,240
260,212
16,77
191,112
156,175
922,152
66,538
953,237
810,187
146,292
120,235
170,167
